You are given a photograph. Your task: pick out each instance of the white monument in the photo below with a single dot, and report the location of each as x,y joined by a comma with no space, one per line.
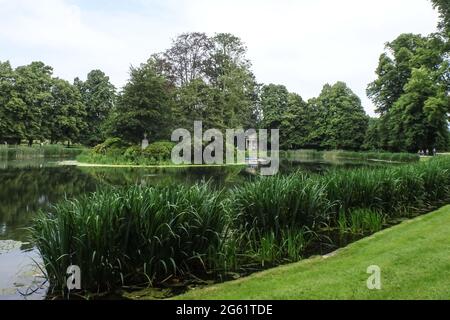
145,142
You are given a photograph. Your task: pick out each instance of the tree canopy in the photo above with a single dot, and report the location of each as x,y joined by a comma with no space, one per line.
411,94
210,79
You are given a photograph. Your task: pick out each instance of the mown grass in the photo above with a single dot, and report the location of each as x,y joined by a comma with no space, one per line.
413,258
148,235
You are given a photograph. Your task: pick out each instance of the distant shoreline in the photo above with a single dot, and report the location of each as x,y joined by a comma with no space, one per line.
97,165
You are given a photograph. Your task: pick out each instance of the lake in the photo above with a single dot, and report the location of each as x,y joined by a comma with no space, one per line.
27,186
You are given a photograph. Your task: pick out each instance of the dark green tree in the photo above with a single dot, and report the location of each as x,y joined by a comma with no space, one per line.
144,107
33,85
296,124
12,108
418,120
443,6
412,74
274,104
98,96
66,117
341,121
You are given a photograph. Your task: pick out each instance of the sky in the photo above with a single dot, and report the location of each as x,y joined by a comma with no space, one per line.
302,44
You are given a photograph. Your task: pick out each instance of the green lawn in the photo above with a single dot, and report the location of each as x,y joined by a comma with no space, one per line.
414,258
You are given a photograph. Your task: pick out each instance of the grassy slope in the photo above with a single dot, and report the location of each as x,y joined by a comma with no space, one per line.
414,258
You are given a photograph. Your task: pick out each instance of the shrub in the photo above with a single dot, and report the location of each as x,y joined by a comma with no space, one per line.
160,151
110,145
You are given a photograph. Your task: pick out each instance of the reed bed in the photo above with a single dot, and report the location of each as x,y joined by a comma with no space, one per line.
149,235
139,235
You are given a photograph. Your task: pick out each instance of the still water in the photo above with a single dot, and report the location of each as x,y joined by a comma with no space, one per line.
27,186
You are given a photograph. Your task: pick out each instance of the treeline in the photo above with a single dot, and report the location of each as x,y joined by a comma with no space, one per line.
210,79
35,106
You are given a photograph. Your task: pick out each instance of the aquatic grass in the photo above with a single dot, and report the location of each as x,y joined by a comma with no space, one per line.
361,221
139,235
390,189
271,204
149,235
269,250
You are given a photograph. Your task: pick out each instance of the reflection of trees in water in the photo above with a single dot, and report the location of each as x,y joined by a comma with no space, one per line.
24,191
218,176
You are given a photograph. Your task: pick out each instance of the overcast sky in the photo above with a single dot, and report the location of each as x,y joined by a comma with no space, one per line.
302,44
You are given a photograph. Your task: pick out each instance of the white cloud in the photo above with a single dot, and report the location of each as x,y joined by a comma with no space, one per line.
302,44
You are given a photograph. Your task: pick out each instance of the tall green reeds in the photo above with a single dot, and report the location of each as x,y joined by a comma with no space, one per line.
148,235
139,235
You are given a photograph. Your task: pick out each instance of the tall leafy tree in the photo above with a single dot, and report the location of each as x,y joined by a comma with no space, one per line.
296,123
343,122
187,59
33,87
66,121
443,6
98,96
144,107
277,112
195,101
419,118
412,74
274,104
12,108
372,138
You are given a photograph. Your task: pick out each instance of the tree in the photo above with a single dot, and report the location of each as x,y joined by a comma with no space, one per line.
411,93
296,124
144,107
211,79
373,136
67,113
187,59
98,96
32,85
12,108
443,6
341,120
195,101
395,66
274,104
419,118
281,110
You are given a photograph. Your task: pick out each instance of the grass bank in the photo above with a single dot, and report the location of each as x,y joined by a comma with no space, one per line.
413,258
161,236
